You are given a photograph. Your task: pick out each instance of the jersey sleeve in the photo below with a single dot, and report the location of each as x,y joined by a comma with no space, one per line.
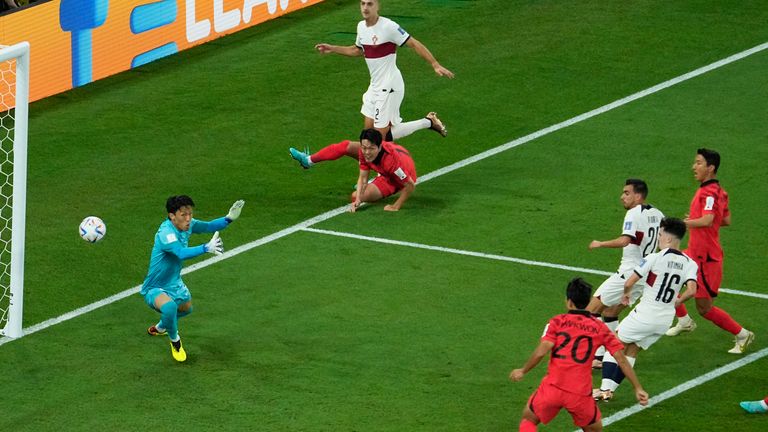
198,226
646,264
550,331
630,224
358,39
710,202
169,243
691,271
397,34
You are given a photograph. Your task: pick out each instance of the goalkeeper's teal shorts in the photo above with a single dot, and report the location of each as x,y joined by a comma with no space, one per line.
179,294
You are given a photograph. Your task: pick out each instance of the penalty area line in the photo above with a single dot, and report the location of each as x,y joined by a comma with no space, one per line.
492,256
434,174
675,391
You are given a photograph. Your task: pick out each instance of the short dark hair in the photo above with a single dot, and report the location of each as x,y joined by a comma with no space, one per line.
579,292
673,226
639,186
174,203
371,135
712,157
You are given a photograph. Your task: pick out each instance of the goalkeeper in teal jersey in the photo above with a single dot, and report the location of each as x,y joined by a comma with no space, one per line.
163,289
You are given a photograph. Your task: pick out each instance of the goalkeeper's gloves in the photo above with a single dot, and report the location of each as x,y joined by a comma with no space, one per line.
215,246
234,211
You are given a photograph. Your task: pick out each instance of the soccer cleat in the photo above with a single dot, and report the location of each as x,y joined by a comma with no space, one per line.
678,328
742,343
178,354
602,395
437,125
301,157
753,407
153,331
597,364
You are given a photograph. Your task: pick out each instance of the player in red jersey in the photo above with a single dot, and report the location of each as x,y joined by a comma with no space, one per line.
709,211
572,339
397,173
377,41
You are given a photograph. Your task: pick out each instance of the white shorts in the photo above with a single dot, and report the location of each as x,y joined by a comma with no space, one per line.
383,106
611,291
632,330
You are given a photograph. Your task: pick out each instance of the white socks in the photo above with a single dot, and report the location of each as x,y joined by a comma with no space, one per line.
404,129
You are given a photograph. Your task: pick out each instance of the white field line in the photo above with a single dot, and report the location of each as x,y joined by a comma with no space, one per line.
491,256
426,177
674,391
623,413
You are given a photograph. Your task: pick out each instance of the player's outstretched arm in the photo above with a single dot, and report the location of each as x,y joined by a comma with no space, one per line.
424,53
349,51
629,373
538,354
618,242
404,194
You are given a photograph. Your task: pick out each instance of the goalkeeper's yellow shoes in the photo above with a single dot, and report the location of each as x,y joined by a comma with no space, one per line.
178,353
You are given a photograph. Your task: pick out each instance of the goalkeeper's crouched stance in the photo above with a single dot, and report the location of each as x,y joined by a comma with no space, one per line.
163,289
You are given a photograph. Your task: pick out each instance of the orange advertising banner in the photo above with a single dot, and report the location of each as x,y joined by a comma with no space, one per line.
74,42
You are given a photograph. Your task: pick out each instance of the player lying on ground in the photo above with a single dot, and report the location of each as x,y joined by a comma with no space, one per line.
571,339
377,40
397,172
163,290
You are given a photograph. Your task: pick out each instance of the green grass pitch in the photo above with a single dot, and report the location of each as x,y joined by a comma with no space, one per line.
320,333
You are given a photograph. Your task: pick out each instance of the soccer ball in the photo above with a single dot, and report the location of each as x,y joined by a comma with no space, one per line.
92,229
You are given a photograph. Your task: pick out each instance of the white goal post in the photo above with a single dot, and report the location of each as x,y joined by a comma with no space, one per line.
14,104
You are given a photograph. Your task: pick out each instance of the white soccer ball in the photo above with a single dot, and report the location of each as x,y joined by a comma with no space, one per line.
92,229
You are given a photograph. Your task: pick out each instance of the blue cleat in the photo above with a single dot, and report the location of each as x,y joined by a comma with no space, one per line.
301,157
753,407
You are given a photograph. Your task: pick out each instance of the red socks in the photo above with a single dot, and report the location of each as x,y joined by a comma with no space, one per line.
681,311
527,426
331,152
722,320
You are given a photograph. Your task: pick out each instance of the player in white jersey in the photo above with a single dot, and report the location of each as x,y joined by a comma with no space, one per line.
639,237
377,40
664,274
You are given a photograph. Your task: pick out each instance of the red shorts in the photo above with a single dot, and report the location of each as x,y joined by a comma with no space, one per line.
547,401
385,186
708,277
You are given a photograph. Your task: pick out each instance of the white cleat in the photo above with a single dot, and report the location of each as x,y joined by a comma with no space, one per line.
678,328
742,343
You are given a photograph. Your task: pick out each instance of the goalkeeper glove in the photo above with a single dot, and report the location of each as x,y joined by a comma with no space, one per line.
215,246
234,211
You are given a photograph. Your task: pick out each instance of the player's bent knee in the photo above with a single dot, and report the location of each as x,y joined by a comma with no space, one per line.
168,309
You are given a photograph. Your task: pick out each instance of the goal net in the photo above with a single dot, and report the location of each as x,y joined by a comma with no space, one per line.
14,101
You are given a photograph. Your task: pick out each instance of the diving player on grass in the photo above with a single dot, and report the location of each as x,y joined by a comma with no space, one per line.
397,172
163,290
